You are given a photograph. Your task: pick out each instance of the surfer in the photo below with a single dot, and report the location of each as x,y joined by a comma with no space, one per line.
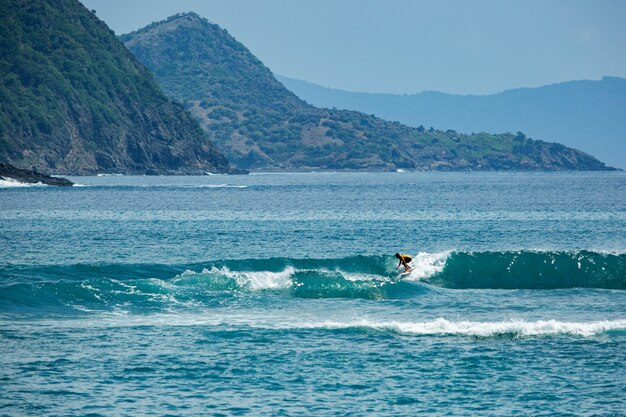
404,260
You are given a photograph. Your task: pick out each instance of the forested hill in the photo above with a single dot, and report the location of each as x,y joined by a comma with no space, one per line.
587,115
259,124
74,100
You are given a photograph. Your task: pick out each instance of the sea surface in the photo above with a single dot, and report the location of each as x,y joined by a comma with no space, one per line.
278,294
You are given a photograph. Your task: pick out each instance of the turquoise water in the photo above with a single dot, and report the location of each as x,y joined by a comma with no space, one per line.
278,294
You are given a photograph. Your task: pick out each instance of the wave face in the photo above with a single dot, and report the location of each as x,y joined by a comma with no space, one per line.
366,277
533,270
158,287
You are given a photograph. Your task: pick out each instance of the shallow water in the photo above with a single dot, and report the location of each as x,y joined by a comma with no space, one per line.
279,294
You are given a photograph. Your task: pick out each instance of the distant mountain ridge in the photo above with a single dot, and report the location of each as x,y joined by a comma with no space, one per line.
587,115
74,100
259,124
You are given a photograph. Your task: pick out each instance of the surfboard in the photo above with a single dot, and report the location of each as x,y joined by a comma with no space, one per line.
405,273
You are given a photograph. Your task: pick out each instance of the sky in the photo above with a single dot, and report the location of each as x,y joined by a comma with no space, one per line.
409,46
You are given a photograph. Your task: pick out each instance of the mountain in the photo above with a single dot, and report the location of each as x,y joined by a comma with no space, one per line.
260,124
587,115
74,100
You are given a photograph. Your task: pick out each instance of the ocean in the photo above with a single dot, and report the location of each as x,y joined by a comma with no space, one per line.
279,294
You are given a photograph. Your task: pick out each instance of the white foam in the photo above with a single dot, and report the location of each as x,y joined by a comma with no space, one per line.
12,183
359,277
484,329
219,186
425,265
261,280
269,321
253,280
94,291
188,185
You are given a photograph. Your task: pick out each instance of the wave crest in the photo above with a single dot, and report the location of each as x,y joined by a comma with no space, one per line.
224,278
437,327
365,277
512,328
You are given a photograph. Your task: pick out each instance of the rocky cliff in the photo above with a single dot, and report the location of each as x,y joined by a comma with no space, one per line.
74,100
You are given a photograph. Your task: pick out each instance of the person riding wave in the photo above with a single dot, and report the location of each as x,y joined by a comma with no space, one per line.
404,260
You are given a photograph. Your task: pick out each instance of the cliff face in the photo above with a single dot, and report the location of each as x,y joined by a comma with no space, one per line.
74,100
259,124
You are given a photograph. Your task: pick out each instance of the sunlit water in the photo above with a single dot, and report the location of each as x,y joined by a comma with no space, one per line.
278,294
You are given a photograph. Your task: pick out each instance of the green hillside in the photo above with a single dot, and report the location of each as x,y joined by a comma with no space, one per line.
584,114
261,125
74,100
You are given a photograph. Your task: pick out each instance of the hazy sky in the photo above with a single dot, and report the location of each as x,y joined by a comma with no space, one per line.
407,46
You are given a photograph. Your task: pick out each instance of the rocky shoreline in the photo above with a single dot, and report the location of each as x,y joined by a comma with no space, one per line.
10,173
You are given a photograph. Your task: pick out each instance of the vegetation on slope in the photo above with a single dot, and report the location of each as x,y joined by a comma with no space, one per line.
587,115
74,100
261,125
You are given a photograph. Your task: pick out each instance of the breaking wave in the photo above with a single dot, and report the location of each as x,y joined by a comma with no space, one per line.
511,328
436,327
11,183
366,277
